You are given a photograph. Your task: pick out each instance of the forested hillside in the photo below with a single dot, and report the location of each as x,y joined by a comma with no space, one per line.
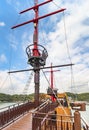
79,97
15,98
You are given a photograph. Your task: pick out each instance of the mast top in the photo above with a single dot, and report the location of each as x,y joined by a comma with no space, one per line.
36,6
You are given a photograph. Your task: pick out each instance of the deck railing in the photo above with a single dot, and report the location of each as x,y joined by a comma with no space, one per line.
84,124
40,113
48,121
13,112
45,119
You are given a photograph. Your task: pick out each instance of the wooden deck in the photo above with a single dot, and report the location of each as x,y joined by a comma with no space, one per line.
24,123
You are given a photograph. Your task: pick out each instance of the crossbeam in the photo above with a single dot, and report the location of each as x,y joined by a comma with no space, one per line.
41,17
48,67
35,7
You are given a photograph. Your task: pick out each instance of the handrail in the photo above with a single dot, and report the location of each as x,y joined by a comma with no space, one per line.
43,120
84,124
13,113
10,106
42,105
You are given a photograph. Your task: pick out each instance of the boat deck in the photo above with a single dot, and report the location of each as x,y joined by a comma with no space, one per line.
24,123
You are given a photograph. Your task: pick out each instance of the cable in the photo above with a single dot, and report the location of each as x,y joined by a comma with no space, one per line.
56,4
4,82
28,83
72,75
55,94
11,83
66,38
46,77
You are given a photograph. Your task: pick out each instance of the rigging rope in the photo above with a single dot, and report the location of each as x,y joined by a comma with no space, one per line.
46,77
4,82
72,75
56,4
11,83
28,84
56,96
72,78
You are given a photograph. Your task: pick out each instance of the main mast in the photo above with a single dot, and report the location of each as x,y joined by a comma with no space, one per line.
36,53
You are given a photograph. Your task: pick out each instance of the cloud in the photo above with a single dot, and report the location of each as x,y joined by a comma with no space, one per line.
2,24
13,41
13,83
3,58
76,30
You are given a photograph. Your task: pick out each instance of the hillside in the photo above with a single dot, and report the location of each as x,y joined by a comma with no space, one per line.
79,97
15,98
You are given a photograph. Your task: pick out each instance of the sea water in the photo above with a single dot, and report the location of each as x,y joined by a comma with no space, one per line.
85,114
5,106
2,105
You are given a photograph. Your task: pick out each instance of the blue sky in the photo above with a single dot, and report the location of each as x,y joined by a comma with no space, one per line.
52,35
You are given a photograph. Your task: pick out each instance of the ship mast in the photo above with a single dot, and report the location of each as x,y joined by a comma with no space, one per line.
36,53
52,91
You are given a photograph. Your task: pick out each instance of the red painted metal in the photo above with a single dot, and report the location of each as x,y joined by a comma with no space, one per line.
52,80
33,20
36,6
35,35
35,50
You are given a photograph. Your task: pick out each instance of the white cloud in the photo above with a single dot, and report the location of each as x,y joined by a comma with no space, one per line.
76,13
13,41
75,30
14,83
3,58
2,24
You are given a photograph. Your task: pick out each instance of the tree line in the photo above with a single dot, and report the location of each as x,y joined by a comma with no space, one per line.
79,97
20,97
15,97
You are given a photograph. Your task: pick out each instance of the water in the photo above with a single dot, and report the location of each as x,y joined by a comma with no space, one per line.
3,106
84,114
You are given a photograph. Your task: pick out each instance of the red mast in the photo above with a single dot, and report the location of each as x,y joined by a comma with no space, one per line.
37,54
52,90
35,35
